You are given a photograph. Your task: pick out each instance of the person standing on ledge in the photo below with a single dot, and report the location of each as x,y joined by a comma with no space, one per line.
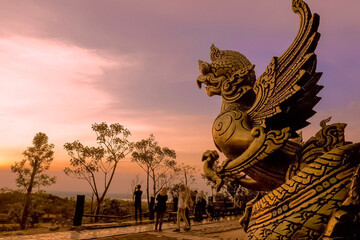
182,205
160,208
137,195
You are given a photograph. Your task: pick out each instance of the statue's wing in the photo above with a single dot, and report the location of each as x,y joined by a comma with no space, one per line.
286,91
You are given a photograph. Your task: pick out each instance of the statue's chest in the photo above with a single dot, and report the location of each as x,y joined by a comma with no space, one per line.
231,133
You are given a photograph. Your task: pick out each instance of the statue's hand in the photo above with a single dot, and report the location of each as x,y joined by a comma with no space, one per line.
210,156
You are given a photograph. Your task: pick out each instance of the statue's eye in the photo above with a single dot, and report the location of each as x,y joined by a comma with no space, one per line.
219,71
214,71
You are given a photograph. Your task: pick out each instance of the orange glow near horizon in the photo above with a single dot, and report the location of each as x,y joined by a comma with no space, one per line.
4,165
9,155
187,155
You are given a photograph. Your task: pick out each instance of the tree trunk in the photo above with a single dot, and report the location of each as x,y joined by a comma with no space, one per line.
147,186
92,207
26,210
101,199
154,182
97,212
186,183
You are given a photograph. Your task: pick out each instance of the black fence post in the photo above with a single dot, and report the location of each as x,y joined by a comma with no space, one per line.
79,210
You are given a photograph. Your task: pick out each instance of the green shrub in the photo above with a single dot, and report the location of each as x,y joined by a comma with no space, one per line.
115,207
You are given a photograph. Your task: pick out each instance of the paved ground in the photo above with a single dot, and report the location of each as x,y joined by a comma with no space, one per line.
227,229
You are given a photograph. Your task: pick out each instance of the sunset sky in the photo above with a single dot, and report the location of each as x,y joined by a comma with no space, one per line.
67,64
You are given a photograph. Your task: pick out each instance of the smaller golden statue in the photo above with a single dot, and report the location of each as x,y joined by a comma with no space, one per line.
313,186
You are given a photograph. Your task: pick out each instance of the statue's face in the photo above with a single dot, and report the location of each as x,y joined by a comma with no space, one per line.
225,79
211,78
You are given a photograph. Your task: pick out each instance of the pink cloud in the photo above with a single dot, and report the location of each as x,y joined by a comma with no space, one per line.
49,86
46,81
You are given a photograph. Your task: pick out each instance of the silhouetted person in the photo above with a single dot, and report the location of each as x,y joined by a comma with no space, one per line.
160,208
187,215
175,202
200,206
137,195
203,203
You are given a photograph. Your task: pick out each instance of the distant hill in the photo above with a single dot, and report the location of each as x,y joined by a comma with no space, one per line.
64,194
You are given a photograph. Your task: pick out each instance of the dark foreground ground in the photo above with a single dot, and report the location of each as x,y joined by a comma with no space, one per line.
225,229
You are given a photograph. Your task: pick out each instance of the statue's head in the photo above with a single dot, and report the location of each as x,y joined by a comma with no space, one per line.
230,74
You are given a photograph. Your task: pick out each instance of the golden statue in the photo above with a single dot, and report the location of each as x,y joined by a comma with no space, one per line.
313,186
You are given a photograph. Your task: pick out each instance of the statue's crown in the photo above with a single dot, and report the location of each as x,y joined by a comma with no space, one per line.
234,57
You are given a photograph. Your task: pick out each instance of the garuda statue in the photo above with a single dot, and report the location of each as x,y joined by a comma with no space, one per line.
312,188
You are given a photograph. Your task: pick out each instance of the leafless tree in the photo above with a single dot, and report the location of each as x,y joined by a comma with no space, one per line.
186,174
156,161
87,162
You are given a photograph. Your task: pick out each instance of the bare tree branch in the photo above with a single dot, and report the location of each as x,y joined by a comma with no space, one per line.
113,146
